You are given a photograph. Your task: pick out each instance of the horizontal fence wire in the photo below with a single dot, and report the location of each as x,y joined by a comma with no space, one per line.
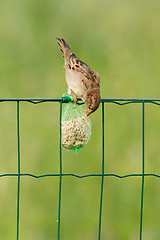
62,100
80,176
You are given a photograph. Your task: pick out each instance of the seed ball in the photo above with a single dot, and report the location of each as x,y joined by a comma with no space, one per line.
75,132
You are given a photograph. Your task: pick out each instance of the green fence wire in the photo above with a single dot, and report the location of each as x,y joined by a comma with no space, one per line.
120,102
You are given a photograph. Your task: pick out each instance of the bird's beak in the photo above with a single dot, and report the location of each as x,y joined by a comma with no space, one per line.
87,112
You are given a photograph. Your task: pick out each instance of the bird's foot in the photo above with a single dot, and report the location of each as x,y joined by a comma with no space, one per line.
75,100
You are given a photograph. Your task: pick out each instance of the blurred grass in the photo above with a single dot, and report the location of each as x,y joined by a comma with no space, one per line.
121,41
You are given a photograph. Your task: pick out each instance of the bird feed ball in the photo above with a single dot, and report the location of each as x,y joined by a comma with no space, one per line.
75,127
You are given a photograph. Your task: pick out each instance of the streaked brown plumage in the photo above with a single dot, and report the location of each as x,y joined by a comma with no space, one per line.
81,79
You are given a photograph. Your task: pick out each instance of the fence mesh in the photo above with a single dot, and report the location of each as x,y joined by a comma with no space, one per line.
119,102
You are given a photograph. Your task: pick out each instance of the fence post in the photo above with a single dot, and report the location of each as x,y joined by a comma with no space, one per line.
60,179
102,181
143,148
18,190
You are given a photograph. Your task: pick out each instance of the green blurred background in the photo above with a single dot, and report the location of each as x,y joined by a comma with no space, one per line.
121,41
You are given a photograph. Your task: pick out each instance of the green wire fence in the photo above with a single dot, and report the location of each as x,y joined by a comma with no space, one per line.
62,100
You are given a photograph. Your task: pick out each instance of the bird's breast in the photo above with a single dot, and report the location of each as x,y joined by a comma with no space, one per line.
74,82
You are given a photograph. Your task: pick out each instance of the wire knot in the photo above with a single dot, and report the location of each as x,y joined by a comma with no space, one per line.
67,99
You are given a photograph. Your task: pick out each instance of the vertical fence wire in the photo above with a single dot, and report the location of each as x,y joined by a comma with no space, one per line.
102,181
143,152
60,179
18,188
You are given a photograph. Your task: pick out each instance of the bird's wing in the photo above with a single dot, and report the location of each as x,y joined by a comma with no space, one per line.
88,77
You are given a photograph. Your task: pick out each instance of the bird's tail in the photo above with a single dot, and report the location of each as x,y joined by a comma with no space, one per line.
65,49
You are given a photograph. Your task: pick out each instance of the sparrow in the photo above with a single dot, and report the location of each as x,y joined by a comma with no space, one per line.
81,79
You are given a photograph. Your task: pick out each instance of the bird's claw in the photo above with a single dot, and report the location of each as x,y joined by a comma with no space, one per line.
75,101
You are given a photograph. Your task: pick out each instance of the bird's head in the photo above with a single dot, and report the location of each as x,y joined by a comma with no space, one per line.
92,101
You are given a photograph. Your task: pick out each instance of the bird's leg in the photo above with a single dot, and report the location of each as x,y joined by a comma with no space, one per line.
75,99
69,92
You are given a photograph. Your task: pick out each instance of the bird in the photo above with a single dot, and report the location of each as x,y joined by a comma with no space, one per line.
81,79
